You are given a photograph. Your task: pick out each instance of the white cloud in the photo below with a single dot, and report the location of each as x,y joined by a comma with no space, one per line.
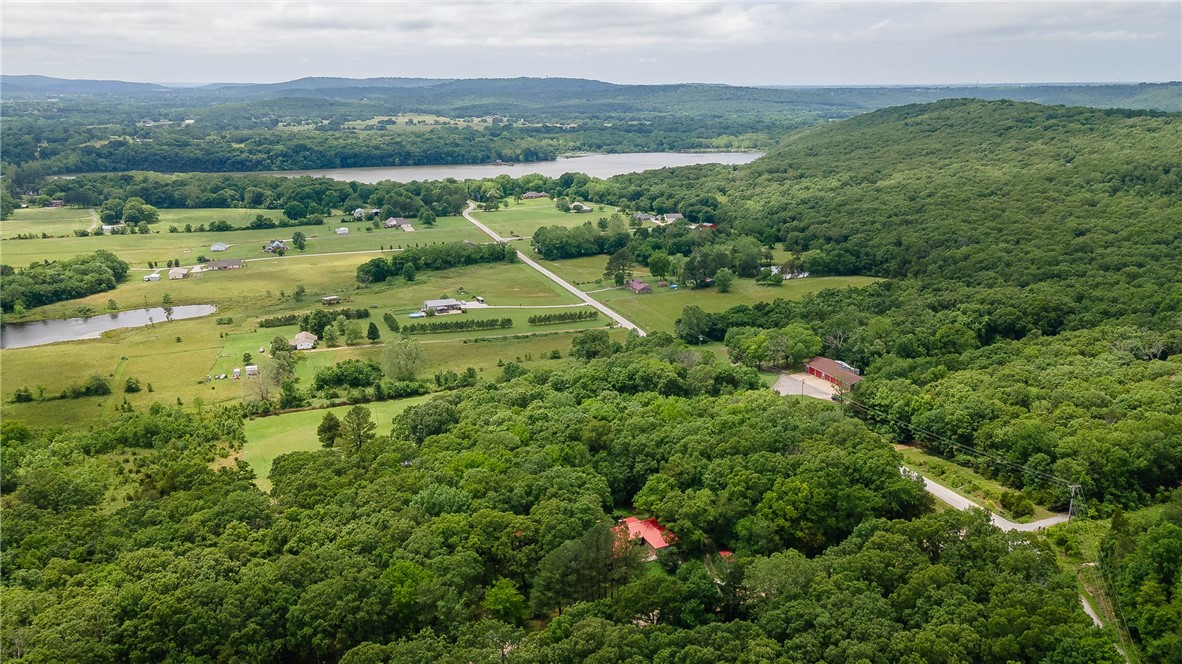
625,41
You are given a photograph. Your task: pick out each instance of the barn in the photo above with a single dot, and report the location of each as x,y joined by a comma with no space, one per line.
834,371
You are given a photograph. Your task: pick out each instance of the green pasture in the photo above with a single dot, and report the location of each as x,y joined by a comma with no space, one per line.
659,310
53,221
522,219
271,437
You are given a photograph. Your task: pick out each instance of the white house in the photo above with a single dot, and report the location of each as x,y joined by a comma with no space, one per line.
178,273
304,341
342,231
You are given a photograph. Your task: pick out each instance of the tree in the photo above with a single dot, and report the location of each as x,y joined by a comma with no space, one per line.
298,240
723,279
620,266
504,602
408,272
357,429
659,264
295,210
590,344
329,430
331,338
373,334
801,344
427,217
402,358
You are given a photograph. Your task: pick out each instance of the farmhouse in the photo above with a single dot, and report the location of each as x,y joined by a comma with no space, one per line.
650,531
444,306
395,222
643,216
275,245
304,341
342,231
219,246
178,273
834,371
638,286
231,264
580,207
530,195
330,299
674,216
155,276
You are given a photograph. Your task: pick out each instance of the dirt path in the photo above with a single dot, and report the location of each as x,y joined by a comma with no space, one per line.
94,218
624,322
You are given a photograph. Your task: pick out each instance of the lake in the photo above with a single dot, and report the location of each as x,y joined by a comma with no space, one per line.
595,165
36,333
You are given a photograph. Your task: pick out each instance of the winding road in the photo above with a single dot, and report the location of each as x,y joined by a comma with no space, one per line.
950,497
623,322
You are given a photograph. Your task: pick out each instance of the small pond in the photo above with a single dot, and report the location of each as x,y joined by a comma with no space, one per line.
36,333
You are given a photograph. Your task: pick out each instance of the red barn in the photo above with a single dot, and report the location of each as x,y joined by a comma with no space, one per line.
838,373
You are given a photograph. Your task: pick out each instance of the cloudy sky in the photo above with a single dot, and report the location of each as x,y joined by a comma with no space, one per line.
780,43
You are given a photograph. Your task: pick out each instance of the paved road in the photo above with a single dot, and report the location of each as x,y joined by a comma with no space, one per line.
1090,611
624,322
950,497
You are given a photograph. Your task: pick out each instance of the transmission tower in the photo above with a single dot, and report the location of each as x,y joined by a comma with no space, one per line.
1072,510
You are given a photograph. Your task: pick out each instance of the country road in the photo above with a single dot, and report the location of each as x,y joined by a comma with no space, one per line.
950,497
624,322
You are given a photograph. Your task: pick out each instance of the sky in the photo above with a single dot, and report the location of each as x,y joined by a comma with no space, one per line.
771,43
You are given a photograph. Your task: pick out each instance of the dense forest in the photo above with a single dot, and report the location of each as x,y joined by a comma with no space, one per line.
435,538
53,281
53,127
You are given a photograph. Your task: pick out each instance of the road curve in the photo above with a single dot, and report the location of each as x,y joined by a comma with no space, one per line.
950,497
623,322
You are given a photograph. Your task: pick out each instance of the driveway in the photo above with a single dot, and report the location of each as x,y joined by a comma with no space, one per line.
623,322
802,384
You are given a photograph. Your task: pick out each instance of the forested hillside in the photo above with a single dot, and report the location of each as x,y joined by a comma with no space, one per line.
436,538
1034,308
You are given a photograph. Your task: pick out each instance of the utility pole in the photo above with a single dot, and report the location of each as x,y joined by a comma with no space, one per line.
1071,510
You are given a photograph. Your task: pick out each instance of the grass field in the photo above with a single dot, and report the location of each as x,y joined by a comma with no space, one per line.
270,437
659,310
162,246
522,219
54,221
966,482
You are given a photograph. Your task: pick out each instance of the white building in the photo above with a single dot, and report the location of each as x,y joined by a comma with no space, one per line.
155,276
178,273
342,231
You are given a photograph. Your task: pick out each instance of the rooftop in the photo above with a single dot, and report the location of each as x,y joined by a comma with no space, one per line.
651,530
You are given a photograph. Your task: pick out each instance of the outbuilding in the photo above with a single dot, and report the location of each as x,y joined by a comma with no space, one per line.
178,273
330,300
444,306
155,276
219,246
342,231
834,371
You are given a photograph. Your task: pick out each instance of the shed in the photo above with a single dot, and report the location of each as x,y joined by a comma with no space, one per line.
219,246
155,276
834,371
252,370
178,273
342,231
330,299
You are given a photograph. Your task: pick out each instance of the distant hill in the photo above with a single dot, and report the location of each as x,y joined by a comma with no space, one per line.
12,85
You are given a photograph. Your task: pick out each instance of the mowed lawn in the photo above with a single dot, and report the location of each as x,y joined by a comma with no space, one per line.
659,310
270,437
522,219
53,221
161,246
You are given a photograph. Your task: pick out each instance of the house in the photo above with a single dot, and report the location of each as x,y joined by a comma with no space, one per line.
219,246
56,203
834,371
674,216
178,273
275,245
330,300
643,216
638,286
709,225
304,341
231,264
155,276
444,306
396,222
580,207
650,531
252,370
342,231
531,195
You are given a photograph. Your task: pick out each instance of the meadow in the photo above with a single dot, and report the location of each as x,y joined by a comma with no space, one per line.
53,221
659,310
522,219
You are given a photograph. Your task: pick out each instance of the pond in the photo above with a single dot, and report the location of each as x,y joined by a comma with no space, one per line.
595,165
36,333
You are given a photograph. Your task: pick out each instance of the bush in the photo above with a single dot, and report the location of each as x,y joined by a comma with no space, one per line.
436,327
564,317
131,385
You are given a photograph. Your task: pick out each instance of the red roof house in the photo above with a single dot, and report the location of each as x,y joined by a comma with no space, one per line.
838,373
655,535
638,286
